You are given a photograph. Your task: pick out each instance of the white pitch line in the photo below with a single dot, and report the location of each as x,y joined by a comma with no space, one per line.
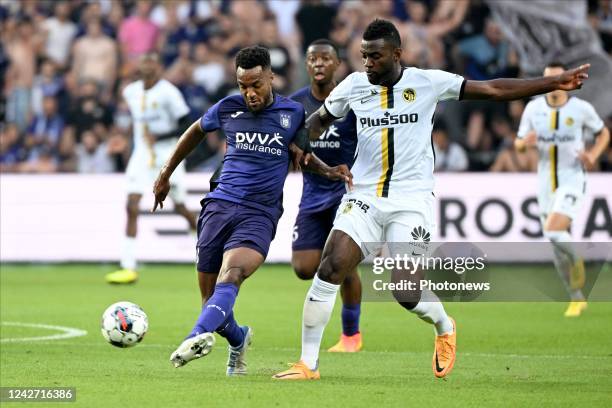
67,332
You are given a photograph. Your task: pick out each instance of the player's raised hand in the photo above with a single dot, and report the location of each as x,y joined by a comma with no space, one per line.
161,188
573,78
341,172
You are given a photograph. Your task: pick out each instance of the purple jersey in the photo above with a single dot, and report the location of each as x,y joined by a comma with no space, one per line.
335,146
257,158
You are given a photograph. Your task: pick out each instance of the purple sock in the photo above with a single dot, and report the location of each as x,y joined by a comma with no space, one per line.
231,331
217,310
350,319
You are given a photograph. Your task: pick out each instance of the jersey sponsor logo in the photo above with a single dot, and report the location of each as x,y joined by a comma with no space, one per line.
285,120
556,138
420,234
409,94
235,115
324,141
389,120
260,142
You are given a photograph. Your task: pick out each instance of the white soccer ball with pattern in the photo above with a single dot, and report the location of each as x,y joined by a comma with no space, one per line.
124,324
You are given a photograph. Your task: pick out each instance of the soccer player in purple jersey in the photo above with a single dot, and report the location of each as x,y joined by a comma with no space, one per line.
238,219
321,196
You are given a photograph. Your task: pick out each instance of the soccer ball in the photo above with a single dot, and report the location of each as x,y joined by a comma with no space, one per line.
124,324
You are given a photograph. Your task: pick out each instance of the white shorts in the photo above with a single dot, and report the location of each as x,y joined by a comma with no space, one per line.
142,173
565,200
371,221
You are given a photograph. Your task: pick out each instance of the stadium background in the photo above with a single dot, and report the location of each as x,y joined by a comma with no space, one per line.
65,141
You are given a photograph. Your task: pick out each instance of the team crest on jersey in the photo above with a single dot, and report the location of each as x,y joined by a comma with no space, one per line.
569,121
285,120
409,94
347,208
154,105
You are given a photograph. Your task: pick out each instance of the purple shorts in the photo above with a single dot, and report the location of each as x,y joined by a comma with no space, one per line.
312,228
224,225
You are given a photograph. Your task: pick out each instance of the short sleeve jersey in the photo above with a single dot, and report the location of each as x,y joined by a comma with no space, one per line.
335,146
257,158
560,132
394,149
157,109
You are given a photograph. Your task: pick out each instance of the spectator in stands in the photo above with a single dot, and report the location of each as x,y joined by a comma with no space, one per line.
423,46
508,158
487,55
88,110
22,46
12,151
59,32
208,70
450,156
93,155
47,83
137,34
199,39
45,132
279,55
600,17
95,59
315,20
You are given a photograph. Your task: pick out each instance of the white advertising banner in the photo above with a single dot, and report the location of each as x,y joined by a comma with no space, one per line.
82,217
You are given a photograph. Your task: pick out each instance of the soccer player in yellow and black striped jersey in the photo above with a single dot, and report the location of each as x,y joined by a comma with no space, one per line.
557,124
392,200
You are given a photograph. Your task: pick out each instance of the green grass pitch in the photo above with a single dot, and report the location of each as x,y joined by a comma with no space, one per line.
509,354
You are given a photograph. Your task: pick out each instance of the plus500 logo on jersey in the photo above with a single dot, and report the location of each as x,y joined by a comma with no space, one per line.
260,142
389,120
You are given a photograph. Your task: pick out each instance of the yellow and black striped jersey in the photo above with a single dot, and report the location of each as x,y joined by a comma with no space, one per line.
561,132
394,124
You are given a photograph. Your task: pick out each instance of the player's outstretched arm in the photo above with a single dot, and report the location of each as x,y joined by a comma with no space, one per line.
336,173
318,122
505,89
589,158
188,141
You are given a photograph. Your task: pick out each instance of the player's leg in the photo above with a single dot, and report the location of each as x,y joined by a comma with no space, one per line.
424,304
305,262
564,206
217,313
354,224
309,235
350,291
245,235
350,339
127,273
206,282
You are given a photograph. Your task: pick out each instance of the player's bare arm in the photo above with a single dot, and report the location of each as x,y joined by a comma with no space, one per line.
589,157
505,89
188,141
318,122
336,173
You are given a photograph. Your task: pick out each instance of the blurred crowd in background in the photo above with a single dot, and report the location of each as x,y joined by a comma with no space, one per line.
63,65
